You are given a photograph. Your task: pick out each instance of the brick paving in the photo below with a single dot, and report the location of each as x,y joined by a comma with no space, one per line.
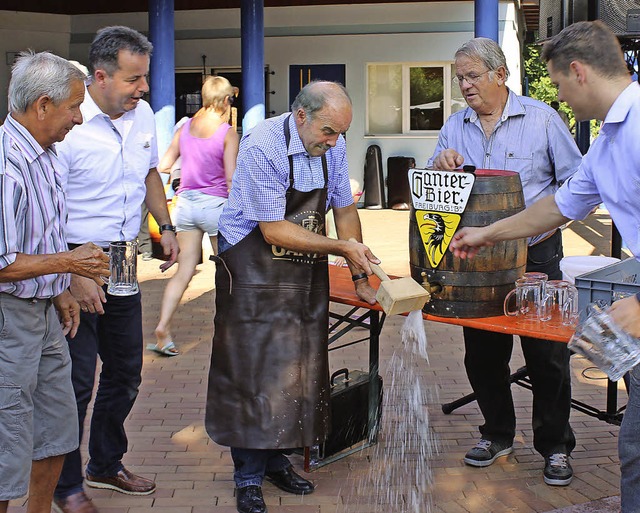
194,475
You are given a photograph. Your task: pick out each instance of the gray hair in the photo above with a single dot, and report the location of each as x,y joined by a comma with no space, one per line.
40,74
590,42
316,94
485,50
107,44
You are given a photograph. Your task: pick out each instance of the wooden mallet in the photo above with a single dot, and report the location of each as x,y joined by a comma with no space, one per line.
399,295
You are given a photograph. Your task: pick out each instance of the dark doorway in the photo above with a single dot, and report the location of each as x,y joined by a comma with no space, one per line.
235,77
301,74
188,95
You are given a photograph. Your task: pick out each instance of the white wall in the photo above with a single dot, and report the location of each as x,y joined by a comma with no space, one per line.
352,35
21,31
512,44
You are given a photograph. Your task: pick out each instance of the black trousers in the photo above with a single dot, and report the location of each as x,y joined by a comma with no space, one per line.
116,337
487,363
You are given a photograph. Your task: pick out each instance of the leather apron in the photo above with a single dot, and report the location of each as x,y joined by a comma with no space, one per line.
269,374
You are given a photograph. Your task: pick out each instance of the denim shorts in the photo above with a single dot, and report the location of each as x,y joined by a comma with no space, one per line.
196,210
38,412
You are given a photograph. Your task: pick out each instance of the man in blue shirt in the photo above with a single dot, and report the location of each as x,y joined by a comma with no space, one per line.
586,63
501,130
269,375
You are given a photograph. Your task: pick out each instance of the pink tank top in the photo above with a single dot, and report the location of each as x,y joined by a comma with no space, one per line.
202,167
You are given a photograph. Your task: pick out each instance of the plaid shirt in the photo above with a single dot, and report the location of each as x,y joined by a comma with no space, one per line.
530,139
33,211
262,177
610,171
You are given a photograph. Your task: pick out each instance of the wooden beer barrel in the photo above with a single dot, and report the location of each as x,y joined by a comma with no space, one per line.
475,287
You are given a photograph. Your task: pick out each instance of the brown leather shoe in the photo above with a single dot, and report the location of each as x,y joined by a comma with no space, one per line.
123,482
76,503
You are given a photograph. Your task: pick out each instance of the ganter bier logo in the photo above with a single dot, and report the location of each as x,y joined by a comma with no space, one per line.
309,220
439,199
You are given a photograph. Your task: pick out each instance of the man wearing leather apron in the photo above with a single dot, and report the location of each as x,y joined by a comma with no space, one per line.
269,375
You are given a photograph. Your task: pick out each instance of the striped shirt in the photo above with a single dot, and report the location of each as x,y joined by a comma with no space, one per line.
530,139
33,210
262,177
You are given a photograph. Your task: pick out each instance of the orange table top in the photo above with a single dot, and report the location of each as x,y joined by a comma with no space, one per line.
343,291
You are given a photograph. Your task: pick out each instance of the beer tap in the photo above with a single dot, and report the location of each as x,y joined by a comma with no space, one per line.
431,288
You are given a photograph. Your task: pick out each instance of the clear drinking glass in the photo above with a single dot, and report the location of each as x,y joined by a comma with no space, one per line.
560,303
123,260
599,339
541,277
528,297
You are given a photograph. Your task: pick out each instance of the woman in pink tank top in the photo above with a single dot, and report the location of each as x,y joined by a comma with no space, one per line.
208,147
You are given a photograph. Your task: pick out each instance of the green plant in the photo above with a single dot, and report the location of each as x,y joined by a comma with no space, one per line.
541,88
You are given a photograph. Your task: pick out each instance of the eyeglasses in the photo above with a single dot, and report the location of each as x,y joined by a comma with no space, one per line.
471,78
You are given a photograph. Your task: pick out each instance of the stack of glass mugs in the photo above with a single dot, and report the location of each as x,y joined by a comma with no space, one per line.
555,302
537,298
599,339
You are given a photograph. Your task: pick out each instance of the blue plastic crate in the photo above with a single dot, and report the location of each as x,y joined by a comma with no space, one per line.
606,285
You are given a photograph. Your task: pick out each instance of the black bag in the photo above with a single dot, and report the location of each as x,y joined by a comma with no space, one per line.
349,410
373,184
398,182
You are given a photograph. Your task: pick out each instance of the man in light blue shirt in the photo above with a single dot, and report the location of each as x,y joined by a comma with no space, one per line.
510,132
586,63
501,130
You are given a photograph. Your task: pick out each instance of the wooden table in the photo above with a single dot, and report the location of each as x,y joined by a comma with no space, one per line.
372,318
342,291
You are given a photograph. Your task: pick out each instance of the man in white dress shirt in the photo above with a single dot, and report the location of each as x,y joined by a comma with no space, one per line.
111,172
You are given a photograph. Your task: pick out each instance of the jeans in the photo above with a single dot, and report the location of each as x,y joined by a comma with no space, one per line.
487,358
250,465
223,245
629,448
115,336
196,210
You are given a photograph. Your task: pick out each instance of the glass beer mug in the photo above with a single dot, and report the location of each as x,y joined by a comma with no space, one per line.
541,277
599,339
528,297
123,261
560,303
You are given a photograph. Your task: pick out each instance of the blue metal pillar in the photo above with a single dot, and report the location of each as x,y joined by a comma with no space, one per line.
486,17
162,83
252,33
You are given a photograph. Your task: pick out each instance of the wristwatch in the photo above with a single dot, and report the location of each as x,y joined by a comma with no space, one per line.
360,276
164,227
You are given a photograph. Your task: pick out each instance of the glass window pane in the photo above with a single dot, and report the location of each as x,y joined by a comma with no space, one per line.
426,98
385,99
457,100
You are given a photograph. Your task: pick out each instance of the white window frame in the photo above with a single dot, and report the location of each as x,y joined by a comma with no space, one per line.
447,77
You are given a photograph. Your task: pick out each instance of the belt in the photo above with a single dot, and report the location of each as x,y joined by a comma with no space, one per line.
74,246
546,238
30,300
